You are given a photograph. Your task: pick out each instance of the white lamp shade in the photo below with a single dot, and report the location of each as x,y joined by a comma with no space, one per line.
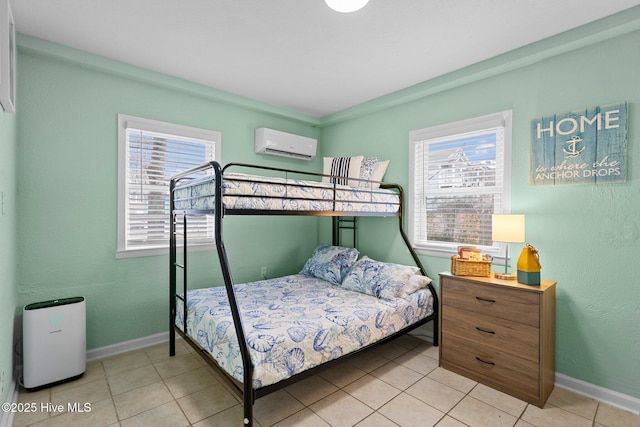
346,5
508,228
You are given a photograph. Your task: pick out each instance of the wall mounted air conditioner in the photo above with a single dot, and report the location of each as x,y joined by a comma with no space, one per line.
278,143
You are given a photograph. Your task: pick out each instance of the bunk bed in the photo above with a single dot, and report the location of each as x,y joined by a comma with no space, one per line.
263,336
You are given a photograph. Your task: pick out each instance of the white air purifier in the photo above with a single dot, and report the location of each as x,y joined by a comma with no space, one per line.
54,341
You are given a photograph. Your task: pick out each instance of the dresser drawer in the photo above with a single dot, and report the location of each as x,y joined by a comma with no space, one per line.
500,368
495,301
511,337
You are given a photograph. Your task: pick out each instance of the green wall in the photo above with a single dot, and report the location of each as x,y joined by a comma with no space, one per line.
588,236
67,182
8,260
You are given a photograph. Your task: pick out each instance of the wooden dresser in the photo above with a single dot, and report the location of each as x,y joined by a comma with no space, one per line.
500,333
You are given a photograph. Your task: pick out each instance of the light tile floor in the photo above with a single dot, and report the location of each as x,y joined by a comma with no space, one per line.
399,384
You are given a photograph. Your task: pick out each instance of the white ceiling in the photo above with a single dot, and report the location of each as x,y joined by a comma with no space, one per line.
299,54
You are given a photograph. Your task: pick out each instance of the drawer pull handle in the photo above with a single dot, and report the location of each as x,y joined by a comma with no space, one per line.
486,300
485,362
485,331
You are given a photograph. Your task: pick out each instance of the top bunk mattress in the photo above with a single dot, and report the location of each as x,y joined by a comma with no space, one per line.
251,192
294,323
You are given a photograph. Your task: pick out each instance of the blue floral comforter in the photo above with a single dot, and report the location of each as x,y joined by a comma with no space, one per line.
294,323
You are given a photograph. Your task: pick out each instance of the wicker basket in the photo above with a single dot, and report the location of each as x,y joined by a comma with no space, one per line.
462,267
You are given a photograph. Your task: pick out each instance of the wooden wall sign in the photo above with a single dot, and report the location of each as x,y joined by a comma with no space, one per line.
580,147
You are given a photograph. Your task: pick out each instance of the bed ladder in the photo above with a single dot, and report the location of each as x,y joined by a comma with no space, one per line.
173,276
344,223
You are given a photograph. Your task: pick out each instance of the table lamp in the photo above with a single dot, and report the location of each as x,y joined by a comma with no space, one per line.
507,228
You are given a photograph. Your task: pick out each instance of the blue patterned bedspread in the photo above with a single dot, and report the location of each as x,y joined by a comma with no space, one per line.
294,323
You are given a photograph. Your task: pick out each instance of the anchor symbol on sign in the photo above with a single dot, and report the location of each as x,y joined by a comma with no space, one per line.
572,151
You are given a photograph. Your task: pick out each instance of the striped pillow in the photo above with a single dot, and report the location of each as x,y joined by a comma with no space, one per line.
342,167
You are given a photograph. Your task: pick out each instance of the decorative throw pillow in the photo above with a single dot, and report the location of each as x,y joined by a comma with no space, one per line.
415,282
343,168
366,170
380,279
378,172
330,263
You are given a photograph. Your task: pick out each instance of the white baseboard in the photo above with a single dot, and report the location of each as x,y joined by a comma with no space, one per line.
6,418
123,347
601,394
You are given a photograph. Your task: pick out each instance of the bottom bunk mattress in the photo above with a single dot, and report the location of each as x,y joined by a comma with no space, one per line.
294,323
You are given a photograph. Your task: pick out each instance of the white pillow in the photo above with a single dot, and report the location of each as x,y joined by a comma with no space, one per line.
345,167
378,172
415,282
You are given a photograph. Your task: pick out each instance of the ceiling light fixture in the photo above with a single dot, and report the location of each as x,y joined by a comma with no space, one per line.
346,6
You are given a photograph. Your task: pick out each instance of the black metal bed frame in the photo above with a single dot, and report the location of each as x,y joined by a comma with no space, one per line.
245,389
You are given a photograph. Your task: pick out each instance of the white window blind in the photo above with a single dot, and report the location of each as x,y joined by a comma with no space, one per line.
458,181
152,152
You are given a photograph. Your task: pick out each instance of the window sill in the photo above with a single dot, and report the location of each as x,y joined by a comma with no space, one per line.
142,252
448,252
441,253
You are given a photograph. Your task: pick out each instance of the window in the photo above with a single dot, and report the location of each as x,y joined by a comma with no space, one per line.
460,175
149,153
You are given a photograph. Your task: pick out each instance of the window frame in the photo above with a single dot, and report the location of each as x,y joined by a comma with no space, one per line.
489,121
125,122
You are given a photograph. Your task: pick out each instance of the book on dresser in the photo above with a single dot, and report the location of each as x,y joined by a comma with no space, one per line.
500,333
